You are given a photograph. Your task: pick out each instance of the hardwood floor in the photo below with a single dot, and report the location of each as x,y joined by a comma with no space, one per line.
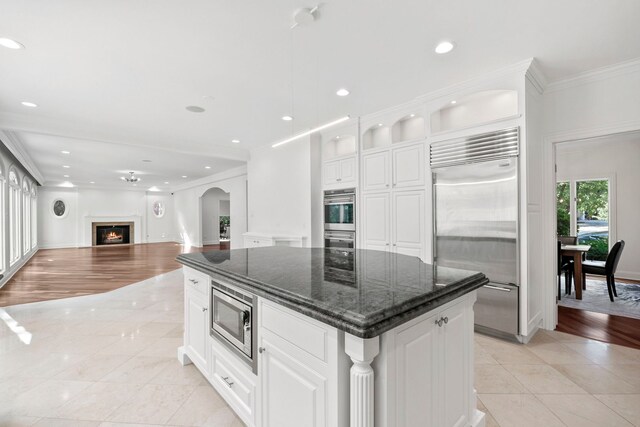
598,326
62,273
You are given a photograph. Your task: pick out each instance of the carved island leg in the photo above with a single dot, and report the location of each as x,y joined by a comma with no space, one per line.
362,351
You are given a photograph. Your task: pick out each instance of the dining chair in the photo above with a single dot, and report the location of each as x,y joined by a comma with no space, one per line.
565,267
605,268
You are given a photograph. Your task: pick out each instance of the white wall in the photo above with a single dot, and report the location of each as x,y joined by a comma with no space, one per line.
615,157
211,210
85,205
188,200
284,190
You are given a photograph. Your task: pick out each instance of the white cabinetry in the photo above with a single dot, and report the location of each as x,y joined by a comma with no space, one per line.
430,375
298,365
196,328
394,221
396,168
342,172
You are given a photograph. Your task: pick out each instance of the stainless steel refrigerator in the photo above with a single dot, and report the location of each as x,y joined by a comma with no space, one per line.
475,195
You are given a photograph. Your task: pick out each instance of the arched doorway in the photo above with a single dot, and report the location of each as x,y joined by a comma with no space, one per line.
215,217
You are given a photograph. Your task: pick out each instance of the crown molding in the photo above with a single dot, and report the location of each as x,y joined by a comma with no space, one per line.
595,75
213,179
535,75
12,141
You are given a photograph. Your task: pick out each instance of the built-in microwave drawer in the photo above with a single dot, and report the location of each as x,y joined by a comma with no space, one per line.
195,280
233,381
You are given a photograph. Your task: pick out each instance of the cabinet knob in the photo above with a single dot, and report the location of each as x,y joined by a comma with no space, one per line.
386,244
338,179
194,281
261,350
386,185
204,309
446,320
394,244
439,322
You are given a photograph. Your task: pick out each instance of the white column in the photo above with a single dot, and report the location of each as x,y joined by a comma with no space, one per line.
362,351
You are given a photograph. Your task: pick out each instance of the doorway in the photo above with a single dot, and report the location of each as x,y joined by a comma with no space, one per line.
216,218
595,185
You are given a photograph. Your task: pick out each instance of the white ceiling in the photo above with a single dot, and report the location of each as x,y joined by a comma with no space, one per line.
123,71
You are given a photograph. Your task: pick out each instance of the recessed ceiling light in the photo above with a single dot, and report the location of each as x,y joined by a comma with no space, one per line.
65,152
66,176
146,160
444,47
195,109
10,44
207,167
184,176
342,92
287,118
66,166
412,115
379,124
166,182
92,182
235,141
454,102
29,104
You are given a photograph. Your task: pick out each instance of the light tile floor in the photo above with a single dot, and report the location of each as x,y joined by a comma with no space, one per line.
109,360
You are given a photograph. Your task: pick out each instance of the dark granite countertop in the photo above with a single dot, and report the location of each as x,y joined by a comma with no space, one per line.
364,292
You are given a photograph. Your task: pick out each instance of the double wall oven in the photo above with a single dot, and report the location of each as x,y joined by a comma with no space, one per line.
233,312
340,219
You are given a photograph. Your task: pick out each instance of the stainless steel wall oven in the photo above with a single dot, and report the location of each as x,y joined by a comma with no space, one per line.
340,210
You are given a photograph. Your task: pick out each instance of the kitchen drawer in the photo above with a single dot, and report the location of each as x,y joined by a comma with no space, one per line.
195,280
295,329
257,242
235,386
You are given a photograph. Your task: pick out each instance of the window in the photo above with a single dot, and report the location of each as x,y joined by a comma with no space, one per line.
26,215
14,218
2,231
34,217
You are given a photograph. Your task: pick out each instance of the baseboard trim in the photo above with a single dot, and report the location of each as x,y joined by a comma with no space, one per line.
16,267
629,275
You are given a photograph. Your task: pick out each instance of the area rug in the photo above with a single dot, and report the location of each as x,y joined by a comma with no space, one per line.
596,298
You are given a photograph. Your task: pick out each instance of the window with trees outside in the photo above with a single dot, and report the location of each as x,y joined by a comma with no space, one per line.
26,214
583,211
14,218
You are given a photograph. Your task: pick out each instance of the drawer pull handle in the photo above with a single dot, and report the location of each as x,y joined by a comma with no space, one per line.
442,321
261,350
194,281
204,309
226,380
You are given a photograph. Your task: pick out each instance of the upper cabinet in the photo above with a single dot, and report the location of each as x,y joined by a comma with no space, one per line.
340,146
339,157
475,109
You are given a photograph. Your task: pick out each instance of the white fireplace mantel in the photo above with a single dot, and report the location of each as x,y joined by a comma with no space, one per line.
89,219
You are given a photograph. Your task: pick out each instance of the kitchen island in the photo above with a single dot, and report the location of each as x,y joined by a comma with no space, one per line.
331,338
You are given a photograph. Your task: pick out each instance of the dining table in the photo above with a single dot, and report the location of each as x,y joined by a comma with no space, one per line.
576,252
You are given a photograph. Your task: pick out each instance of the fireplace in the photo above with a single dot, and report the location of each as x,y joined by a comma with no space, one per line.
109,234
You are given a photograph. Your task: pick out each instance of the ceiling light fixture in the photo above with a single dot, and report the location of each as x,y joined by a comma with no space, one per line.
194,109
10,44
92,182
66,166
29,104
287,118
304,16
184,176
207,167
65,176
166,182
65,152
454,102
130,178
235,141
309,132
342,92
444,47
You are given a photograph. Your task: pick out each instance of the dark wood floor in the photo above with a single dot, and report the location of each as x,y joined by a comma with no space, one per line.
598,326
62,273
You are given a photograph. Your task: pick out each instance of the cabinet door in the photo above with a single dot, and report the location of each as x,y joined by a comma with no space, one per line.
348,170
293,394
408,222
455,383
408,166
375,221
417,375
375,171
331,172
197,329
